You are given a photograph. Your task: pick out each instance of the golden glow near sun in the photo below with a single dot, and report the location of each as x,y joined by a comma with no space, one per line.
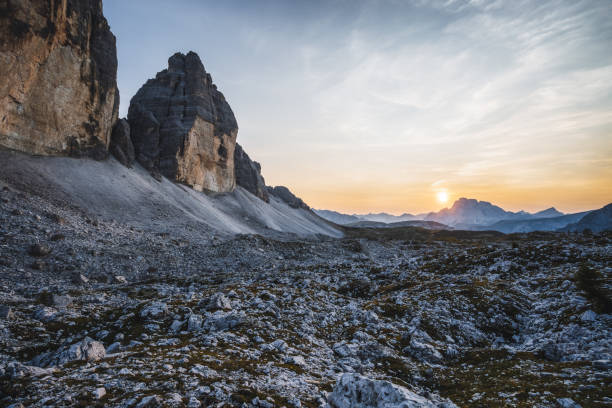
442,197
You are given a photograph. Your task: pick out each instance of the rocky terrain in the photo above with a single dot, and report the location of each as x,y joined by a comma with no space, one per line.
171,275
96,312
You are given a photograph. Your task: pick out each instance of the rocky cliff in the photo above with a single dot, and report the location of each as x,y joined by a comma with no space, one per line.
182,127
288,197
248,174
58,68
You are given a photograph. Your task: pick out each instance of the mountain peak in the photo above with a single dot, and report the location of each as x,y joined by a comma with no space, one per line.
549,212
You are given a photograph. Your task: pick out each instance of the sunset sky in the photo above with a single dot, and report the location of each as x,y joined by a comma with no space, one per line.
369,106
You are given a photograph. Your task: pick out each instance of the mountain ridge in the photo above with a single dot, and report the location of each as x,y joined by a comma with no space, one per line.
470,214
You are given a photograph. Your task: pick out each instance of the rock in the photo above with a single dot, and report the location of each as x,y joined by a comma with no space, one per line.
248,174
551,351
16,370
194,323
86,350
120,279
174,399
279,345
588,316
183,128
261,403
355,391
61,301
39,250
116,346
194,403
343,350
294,402
121,143
203,371
423,351
567,403
99,392
287,196
223,320
219,301
154,310
150,401
451,351
6,313
176,325
602,364
45,314
63,98
79,279
296,360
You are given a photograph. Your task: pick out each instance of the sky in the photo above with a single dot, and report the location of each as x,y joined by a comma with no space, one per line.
382,105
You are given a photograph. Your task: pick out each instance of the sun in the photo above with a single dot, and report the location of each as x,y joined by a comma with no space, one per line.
442,196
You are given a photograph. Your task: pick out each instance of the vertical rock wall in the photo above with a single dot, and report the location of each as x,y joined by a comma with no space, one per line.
58,70
248,174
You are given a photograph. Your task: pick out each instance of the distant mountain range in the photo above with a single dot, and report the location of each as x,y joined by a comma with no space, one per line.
596,221
471,214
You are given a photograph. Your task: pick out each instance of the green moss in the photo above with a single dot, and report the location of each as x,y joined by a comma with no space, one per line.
493,373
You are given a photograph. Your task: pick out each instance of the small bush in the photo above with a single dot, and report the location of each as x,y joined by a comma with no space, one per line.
593,284
358,288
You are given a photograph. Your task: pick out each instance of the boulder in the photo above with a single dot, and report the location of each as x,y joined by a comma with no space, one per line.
6,313
287,196
356,391
86,350
150,401
223,321
99,392
194,322
423,351
58,78
248,174
121,143
16,370
154,310
45,314
183,128
219,301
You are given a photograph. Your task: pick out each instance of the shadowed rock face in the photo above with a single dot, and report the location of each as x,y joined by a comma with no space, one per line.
58,69
288,197
121,143
248,174
183,128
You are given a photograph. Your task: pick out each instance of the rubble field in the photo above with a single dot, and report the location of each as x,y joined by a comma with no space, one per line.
95,312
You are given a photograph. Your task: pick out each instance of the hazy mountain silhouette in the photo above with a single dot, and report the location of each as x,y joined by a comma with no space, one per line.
472,214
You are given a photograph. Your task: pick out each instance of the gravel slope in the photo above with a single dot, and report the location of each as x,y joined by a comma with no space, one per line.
111,191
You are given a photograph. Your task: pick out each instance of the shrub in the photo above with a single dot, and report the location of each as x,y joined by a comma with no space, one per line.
595,287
